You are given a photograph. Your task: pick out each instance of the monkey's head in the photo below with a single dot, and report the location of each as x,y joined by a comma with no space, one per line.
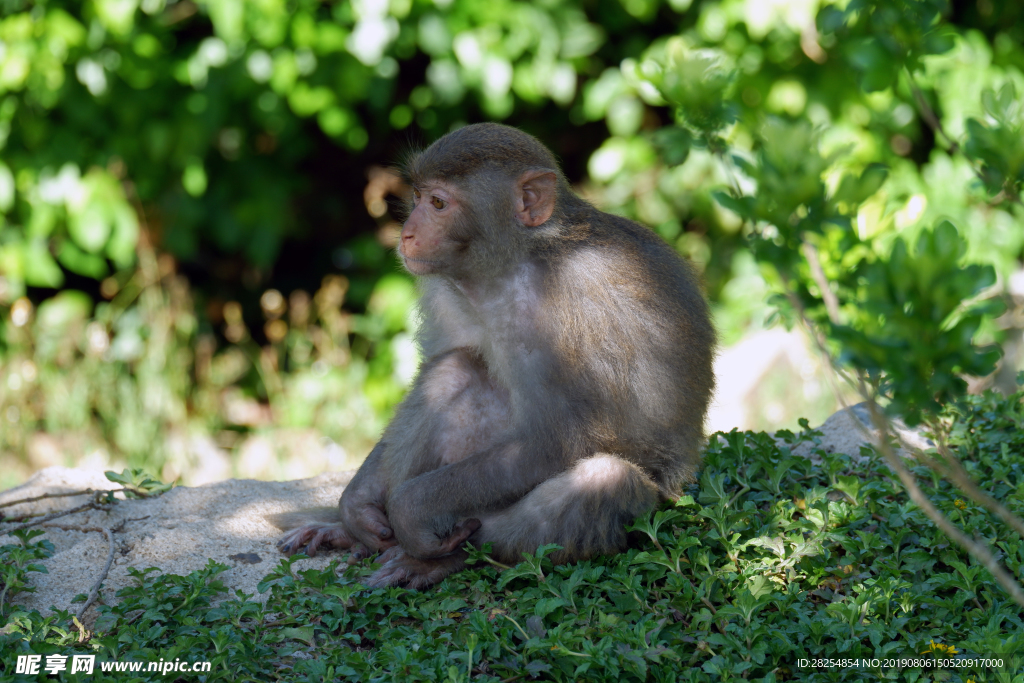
480,196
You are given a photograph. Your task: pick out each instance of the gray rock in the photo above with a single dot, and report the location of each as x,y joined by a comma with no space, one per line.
176,532
847,430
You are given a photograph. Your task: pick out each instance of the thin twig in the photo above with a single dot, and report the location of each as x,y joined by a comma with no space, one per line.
94,592
490,560
132,519
710,606
516,624
732,176
929,115
819,342
932,119
46,496
108,532
93,505
85,529
818,273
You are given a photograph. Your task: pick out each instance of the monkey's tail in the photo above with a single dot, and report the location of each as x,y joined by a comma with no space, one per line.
293,520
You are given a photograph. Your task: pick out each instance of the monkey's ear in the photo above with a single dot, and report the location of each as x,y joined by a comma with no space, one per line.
535,197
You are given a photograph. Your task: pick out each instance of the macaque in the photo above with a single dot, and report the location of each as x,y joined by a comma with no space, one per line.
566,376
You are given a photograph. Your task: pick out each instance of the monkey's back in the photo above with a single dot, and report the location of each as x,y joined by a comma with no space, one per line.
635,332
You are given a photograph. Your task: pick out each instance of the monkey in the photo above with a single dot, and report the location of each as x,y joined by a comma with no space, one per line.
566,376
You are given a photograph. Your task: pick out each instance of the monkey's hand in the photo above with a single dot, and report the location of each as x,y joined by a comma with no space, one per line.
358,524
361,528
367,526
400,569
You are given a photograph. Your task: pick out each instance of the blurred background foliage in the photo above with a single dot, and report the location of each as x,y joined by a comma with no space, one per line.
196,225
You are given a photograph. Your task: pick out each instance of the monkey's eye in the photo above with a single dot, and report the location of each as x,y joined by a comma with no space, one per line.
415,193
438,203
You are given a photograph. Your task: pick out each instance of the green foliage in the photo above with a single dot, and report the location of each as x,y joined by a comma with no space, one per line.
138,484
804,133
18,560
918,316
773,558
882,38
812,201
695,82
221,131
140,372
998,147
209,110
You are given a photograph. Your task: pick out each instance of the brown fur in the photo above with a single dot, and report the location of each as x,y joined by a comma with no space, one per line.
567,375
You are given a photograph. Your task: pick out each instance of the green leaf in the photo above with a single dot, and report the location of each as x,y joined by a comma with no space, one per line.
877,67
125,237
6,188
303,633
77,261
741,206
673,143
760,586
39,267
62,310
854,190
850,486
546,606
939,41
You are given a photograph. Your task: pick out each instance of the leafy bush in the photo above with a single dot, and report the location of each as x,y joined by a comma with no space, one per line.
223,132
219,115
139,373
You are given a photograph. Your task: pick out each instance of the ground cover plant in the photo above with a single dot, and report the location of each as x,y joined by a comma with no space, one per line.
770,559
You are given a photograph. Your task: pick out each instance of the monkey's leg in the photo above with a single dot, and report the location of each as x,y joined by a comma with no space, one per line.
585,510
454,411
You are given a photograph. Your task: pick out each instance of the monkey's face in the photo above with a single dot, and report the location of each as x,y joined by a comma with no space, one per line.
430,236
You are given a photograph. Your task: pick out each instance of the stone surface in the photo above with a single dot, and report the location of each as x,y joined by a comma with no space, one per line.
176,532
847,430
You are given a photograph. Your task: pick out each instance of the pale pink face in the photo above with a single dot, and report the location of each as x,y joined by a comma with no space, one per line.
424,245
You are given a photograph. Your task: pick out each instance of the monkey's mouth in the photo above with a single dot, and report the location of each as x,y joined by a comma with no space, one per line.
418,266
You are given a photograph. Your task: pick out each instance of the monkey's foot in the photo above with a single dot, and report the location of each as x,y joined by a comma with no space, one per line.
309,538
399,569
